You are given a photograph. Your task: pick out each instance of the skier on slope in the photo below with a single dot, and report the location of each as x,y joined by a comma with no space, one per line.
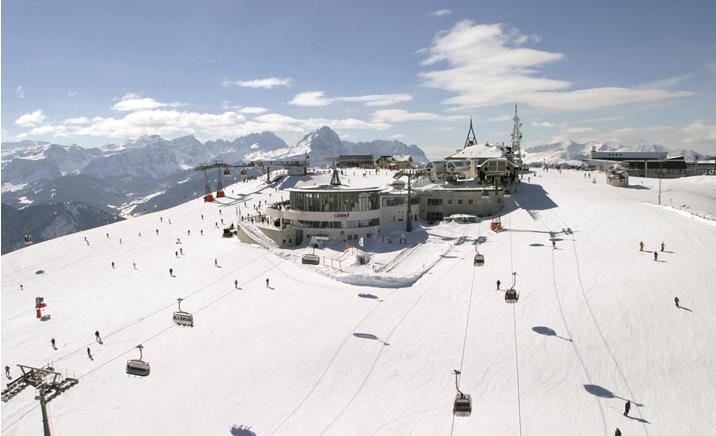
554,244
157,230
663,246
134,265
112,264
676,301
52,341
641,245
89,353
97,337
498,284
656,256
267,282
627,407
171,272
236,284
7,372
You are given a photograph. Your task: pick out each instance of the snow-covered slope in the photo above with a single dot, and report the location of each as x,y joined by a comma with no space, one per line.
595,325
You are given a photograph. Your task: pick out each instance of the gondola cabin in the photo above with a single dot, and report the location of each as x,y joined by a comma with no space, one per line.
511,296
479,260
227,172
138,367
183,319
28,239
463,405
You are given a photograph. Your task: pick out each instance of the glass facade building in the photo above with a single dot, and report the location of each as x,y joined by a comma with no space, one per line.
335,201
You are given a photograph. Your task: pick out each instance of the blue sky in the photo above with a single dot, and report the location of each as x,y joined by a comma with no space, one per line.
92,72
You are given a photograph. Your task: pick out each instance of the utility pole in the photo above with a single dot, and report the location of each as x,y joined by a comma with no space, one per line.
409,220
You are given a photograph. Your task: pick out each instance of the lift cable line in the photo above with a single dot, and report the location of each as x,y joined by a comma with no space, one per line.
514,321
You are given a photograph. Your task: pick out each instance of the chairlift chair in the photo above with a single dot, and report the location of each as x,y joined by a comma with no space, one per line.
138,366
227,172
182,318
310,259
28,239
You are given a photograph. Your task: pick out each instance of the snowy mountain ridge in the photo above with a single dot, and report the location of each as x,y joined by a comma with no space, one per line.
574,152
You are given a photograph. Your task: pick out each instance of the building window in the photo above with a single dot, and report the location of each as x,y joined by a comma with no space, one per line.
469,201
435,202
459,202
449,201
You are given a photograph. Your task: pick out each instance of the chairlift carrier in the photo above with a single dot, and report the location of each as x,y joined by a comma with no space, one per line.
138,366
511,295
182,318
463,402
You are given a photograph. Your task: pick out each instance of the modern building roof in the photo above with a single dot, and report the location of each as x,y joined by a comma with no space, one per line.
477,151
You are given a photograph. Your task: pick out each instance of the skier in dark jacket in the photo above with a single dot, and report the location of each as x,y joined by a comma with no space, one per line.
236,284
627,406
617,432
498,284
52,341
656,256
676,301
89,353
171,272
96,336
7,372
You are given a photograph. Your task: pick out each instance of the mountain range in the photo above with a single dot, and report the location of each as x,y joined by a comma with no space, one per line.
147,174
570,152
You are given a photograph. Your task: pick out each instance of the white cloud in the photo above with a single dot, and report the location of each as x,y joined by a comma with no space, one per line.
666,83
249,110
486,66
20,91
400,115
77,121
441,13
266,83
542,124
698,132
711,67
397,136
30,119
498,119
172,122
253,110
133,102
72,93
318,99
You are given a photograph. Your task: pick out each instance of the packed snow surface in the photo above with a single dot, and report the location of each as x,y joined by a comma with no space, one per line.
595,325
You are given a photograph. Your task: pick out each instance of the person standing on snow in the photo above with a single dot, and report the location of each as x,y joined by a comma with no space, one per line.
663,246
89,353
96,336
627,407
676,301
498,284
656,256
554,244
7,372
236,284
52,341
267,282
112,264
171,272
641,245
